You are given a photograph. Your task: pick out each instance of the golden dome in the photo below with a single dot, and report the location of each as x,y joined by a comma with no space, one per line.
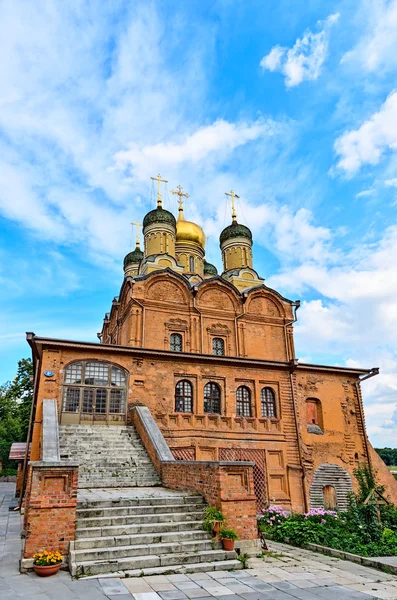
188,232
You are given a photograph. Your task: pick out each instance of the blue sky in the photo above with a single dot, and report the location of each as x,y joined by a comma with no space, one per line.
291,104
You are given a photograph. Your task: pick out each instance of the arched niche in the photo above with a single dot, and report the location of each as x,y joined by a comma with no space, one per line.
330,475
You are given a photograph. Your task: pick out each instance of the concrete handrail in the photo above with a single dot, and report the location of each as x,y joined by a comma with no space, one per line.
50,432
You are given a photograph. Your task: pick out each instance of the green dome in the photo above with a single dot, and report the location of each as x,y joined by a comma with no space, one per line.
210,269
159,215
235,230
133,257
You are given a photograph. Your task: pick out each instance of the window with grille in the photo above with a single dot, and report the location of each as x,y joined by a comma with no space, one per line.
191,264
212,398
218,346
268,403
243,402
184,396
176,342
94,387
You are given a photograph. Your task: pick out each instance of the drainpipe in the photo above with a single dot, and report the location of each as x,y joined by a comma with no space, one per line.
236,326
293,365
143,313
296,305
372,373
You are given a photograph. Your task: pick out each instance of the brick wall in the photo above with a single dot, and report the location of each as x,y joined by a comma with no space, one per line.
50,514
228,486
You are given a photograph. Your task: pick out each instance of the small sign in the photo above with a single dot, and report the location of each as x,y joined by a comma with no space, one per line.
48,373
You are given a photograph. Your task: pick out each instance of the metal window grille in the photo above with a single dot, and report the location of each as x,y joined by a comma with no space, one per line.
218,346
73,373
117,401
256,456
100,401
96,373
183,396
243,402
71,400
88,400
191,264
268,403
212,398
176,342
118,377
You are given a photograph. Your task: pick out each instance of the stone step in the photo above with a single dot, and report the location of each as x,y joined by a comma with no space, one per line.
137,550
140,538
137,564
220,565
115,483
136,519
144,501
144,528
112,511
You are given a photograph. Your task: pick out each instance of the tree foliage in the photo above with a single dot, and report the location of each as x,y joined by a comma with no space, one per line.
15,404
388,455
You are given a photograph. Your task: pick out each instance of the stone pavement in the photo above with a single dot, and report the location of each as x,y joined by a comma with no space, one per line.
284,574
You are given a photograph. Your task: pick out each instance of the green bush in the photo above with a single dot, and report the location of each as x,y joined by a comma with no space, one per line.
358,530
228,534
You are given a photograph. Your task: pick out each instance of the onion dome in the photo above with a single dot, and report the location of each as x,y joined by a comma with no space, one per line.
210,269
133,257
235,230
188,232
159,215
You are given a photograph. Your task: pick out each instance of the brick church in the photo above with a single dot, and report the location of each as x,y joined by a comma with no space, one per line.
211,357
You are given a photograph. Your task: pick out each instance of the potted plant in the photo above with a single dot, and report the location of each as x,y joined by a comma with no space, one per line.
213,520
228,537
47,563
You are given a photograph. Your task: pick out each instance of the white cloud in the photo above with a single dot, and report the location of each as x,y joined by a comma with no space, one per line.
365,193
304,60
213,142
391,182
368,143
376,50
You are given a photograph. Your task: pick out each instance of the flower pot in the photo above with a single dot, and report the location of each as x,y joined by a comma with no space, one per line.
228,544
216,527
47,570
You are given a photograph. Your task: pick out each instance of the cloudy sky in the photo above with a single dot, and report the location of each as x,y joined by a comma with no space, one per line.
291,104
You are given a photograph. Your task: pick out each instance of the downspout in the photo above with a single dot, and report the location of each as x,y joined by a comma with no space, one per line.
293,365
36,368
143,314
296,305
372,373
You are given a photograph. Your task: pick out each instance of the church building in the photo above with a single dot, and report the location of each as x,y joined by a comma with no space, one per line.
211,357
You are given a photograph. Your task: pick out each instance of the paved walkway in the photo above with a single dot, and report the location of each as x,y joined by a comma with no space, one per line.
284,574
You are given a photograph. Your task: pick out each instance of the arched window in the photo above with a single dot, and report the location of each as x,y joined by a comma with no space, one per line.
218,346
268,403
191,264
184,396
243,398
314,413
212,398
94,387
176,342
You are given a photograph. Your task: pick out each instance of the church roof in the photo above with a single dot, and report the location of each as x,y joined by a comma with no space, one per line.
210,269
133,257
235,230
159,215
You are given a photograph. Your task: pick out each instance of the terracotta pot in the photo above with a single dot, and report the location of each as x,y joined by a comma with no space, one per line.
228,544
216,527
47,570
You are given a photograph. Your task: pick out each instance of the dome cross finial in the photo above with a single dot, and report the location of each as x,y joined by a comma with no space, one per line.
159,182
137,224
181,195
233,195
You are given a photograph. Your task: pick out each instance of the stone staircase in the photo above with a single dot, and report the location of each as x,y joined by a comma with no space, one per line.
160,532
109,456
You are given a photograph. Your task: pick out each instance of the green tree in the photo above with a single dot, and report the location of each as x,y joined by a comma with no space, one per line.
15,403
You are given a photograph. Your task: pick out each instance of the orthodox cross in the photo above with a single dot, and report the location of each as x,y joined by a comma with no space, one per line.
137,224
159,182
233,195
179,193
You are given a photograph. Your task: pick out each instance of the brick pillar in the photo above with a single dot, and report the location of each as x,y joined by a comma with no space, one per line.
50,507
